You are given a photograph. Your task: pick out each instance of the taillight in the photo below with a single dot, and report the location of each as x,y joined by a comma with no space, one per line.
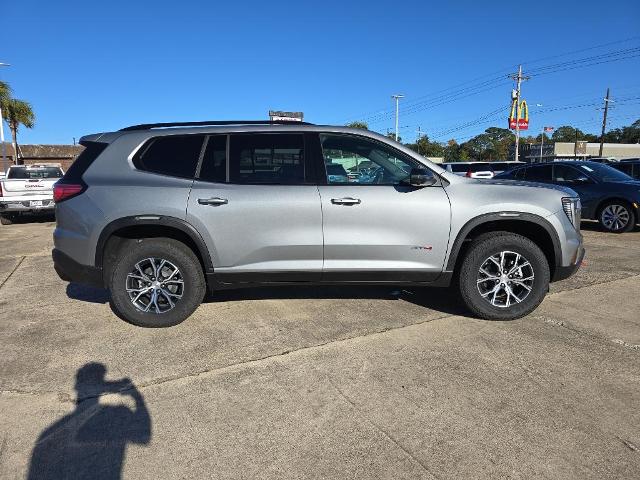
468,174
64,191
0,189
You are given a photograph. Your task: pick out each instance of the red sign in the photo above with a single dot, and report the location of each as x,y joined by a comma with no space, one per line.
523,124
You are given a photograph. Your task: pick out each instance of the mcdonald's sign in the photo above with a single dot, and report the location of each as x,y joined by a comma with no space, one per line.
519,115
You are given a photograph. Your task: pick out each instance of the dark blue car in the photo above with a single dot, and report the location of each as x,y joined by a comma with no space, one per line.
607,195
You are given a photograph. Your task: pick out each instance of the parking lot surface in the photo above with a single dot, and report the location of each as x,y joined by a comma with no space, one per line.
333,382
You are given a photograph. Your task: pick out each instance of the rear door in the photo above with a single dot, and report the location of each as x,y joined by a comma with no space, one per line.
259,213
379,228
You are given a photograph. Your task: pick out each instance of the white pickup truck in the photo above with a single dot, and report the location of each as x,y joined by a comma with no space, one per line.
27,189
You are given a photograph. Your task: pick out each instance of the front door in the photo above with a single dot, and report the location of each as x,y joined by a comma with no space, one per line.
260,217
377,227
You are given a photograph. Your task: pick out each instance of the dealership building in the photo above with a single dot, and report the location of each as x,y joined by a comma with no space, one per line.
535,152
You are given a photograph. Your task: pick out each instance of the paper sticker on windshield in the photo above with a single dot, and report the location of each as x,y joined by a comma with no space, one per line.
588,169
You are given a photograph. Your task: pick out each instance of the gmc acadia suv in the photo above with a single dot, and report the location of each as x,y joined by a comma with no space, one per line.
161,213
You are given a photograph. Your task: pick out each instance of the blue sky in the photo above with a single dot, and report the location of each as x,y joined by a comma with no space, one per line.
98,66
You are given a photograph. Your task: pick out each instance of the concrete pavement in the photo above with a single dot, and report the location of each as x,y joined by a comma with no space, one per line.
336,382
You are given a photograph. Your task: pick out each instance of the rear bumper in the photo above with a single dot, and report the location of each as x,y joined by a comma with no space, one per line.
18,206
562,273
71,271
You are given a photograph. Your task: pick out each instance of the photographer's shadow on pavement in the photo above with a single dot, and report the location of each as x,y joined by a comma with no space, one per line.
91,441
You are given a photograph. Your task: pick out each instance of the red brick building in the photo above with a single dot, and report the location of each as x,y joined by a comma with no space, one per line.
60,154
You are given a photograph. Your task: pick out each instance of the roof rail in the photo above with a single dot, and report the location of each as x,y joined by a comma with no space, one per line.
149,126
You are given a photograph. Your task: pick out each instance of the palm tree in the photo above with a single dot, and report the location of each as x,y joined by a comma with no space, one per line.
17,112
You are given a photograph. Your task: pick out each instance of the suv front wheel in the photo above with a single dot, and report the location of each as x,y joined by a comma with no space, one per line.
156,282
503,276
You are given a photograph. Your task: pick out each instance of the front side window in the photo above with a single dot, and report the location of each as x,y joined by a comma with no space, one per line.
174,155
357,160
262,158
568,174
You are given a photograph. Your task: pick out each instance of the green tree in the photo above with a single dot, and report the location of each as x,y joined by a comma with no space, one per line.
427,148
392,136
362,125
570,134
5,91
16,113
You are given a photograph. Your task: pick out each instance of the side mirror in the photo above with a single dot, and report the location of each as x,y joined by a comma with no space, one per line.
421,177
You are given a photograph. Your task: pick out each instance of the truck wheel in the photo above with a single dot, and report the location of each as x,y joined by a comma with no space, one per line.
156,282
5,220
616,217
503,276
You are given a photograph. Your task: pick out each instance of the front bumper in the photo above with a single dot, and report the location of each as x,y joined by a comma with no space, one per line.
21,206
71,271
562,273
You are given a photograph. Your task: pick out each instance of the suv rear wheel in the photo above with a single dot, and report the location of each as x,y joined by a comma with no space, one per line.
156,282
503,276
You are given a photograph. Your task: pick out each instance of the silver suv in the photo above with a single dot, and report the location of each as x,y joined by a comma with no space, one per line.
161,213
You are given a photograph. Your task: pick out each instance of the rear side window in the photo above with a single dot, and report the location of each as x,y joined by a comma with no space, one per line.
174,155
91,151
480,167
267,159
539,174
28,173
459,168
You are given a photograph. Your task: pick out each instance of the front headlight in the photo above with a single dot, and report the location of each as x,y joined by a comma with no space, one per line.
573,208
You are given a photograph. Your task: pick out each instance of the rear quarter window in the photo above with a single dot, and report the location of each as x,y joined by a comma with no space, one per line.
173,155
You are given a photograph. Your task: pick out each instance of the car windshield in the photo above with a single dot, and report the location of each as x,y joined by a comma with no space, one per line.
605,173
27,173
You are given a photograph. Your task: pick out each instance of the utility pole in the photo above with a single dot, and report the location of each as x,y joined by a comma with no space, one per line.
541,143
604,122
518,78
397,98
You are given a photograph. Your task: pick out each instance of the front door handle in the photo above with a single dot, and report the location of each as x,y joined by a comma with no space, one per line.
346,201
213,201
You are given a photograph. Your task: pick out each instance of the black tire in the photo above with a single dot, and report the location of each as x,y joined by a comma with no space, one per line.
619,206
491,244
190,272
5,220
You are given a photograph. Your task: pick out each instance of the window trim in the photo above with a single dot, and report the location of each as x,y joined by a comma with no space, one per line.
322,177
201,159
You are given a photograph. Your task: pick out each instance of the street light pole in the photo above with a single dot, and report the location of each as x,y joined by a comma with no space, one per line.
518,78
397,98
4,156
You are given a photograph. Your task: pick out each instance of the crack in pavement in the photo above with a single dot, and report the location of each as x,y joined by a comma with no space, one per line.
65,397
381,430
13,271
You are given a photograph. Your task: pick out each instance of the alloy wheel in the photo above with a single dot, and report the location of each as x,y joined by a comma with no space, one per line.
155,285
615,217
505,278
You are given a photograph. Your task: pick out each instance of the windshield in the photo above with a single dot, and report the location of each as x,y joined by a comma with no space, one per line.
605,173
27,173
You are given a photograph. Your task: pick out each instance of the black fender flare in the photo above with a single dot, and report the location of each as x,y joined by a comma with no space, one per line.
154,221
503,216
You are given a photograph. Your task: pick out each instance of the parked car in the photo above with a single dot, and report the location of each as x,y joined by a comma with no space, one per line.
27,189
603,160
470,169
629,166
632,159
499,167
160,213
607,195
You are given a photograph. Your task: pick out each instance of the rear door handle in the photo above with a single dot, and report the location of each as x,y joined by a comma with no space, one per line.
346,201
213,201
